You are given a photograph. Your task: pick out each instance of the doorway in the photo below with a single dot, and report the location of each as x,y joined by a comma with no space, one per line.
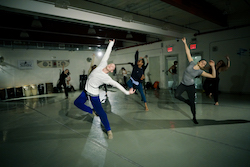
197,81
169,61
154,69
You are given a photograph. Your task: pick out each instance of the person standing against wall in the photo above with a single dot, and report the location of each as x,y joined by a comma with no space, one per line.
173,71
187,84
98,77
61,82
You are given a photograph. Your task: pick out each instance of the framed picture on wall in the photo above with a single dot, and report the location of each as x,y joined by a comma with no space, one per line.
25,64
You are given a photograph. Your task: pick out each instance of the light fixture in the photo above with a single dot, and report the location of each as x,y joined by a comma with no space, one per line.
91,30
127,17
24,34
99,53
36,23
165,26
62,4
129,35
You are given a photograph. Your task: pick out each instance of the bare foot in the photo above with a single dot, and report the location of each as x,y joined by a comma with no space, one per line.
110,134
210,95
146,107
217,103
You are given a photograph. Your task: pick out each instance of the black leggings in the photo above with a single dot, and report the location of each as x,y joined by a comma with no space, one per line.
212,86
215,89
125,80
207,86
59,86
191,96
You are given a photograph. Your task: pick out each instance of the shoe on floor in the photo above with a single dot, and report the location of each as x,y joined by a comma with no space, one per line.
195,121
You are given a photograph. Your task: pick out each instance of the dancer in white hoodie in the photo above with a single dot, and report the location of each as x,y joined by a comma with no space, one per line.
97,77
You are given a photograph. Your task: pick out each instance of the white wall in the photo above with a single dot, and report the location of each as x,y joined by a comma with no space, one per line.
12,76
153,50
235,80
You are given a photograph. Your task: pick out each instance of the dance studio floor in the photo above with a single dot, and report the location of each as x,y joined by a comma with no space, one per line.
49,131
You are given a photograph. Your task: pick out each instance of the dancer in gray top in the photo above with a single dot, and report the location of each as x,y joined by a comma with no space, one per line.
187,83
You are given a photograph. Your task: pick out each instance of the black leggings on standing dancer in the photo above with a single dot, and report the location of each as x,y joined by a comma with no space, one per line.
191,96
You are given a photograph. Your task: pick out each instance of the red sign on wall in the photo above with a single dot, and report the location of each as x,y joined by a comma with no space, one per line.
170,49
193,46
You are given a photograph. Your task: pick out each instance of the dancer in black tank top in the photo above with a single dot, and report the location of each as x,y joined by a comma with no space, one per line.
211,85
173,71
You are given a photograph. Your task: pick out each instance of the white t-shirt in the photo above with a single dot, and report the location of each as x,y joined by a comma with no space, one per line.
97,77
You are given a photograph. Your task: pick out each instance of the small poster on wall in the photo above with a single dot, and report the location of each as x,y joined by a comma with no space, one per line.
25,64
52,63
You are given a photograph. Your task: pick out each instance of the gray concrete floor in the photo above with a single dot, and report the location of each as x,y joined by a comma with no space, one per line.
48,130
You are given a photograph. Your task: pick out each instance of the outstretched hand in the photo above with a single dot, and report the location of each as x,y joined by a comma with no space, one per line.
131,91
211,63
184,40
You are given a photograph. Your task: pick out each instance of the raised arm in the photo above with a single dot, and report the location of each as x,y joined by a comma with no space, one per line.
145,67
189,57
62,66
146,57
108,51
136,56
208,75
226,67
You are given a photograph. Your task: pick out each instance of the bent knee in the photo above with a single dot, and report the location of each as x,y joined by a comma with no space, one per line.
77,102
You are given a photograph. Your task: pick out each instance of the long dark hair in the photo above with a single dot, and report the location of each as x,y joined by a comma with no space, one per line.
223,64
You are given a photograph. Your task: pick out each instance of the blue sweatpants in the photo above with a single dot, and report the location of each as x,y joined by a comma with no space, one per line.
95,101
139,87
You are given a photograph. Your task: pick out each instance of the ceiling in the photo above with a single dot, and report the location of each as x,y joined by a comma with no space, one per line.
64,24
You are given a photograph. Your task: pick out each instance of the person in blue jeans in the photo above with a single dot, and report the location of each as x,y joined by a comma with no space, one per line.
98,77
137,77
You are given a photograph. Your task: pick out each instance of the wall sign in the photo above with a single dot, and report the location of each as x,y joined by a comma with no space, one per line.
25,64
193,46
170,49
52,63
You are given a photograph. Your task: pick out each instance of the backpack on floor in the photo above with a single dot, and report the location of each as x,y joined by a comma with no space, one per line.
156,85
